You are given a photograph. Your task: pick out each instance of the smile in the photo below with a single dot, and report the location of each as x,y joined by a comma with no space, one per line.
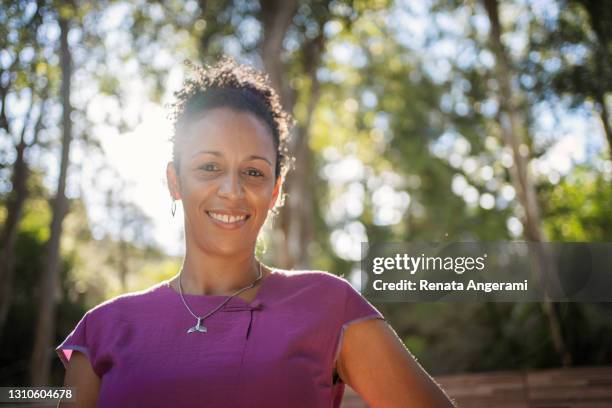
227,219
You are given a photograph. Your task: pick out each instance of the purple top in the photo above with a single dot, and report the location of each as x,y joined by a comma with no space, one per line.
277,351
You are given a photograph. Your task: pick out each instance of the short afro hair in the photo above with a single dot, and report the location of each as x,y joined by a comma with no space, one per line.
239,87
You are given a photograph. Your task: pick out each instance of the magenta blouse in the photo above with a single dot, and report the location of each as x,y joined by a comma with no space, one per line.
277,351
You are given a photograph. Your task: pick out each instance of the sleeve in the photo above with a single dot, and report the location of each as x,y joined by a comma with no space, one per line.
356,309
76,341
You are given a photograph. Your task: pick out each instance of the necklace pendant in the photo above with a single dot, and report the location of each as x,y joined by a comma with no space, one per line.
198,327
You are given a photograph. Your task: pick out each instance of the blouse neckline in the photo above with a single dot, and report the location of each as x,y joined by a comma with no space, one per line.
219,298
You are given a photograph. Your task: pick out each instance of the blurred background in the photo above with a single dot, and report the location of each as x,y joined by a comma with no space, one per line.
416,121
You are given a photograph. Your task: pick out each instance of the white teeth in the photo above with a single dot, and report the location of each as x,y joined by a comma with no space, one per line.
227,218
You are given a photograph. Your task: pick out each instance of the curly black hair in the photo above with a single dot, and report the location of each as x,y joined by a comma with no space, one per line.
237,86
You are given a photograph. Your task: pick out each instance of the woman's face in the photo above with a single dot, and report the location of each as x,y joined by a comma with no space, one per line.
226,180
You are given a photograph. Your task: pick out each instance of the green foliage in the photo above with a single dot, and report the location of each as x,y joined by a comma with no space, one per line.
578,208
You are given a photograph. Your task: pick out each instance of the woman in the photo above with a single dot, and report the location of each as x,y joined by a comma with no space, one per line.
228,331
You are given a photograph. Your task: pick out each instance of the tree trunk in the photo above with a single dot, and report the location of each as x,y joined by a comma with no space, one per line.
16,201
8,239
40,362
604,116
301,211
276,17
513,134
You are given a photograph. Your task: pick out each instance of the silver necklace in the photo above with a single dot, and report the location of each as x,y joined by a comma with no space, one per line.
199,327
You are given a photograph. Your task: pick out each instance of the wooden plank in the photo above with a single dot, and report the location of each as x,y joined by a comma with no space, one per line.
590,384
575,387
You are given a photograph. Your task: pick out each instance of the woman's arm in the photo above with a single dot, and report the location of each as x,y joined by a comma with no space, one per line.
85,381
375,363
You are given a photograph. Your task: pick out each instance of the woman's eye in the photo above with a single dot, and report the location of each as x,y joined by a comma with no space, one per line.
209,167
254,173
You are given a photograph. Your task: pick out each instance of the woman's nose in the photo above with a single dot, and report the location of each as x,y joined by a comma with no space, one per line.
231,187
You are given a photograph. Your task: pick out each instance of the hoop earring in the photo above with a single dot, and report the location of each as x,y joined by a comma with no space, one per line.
173,208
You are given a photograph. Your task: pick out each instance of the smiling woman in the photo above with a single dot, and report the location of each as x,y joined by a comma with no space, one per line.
225,177
228,331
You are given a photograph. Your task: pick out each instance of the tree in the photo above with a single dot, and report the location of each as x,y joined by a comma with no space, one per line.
570,57
24,78
513,134
40,364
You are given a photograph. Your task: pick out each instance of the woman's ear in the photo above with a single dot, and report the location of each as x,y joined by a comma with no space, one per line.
276,192
173,181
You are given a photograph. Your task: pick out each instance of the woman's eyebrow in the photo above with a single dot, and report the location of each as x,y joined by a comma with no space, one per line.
213,152
255,157
219,154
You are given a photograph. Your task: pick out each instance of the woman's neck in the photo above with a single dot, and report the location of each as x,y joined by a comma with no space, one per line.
211,274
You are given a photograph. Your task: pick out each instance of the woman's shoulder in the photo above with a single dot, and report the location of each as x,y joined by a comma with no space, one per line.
327,292
314,282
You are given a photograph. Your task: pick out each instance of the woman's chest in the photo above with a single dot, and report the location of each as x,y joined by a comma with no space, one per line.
245,358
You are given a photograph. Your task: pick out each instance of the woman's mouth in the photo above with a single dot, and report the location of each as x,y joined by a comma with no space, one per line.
228,221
